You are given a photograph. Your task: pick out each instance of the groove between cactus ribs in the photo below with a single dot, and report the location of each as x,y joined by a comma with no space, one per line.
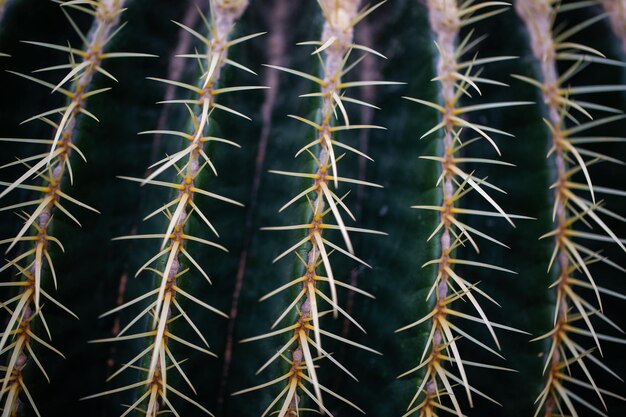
278,46
223,17
54,167
568,256
456,78
336,44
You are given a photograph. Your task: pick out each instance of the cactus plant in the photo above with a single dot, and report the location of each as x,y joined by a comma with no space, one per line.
277,208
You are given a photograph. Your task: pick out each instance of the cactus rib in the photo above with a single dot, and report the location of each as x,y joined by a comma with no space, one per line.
160,358
455,78
53,167
336,44
569,257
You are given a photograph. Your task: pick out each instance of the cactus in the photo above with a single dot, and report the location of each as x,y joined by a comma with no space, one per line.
242,207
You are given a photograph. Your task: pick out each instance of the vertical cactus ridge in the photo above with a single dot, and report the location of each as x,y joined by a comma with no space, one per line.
301,379
189,163
576,207
50,171
456,78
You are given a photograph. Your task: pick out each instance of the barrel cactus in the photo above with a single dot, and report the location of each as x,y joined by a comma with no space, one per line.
242,207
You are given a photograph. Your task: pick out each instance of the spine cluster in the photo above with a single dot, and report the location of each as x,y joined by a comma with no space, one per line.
575,208
47,175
